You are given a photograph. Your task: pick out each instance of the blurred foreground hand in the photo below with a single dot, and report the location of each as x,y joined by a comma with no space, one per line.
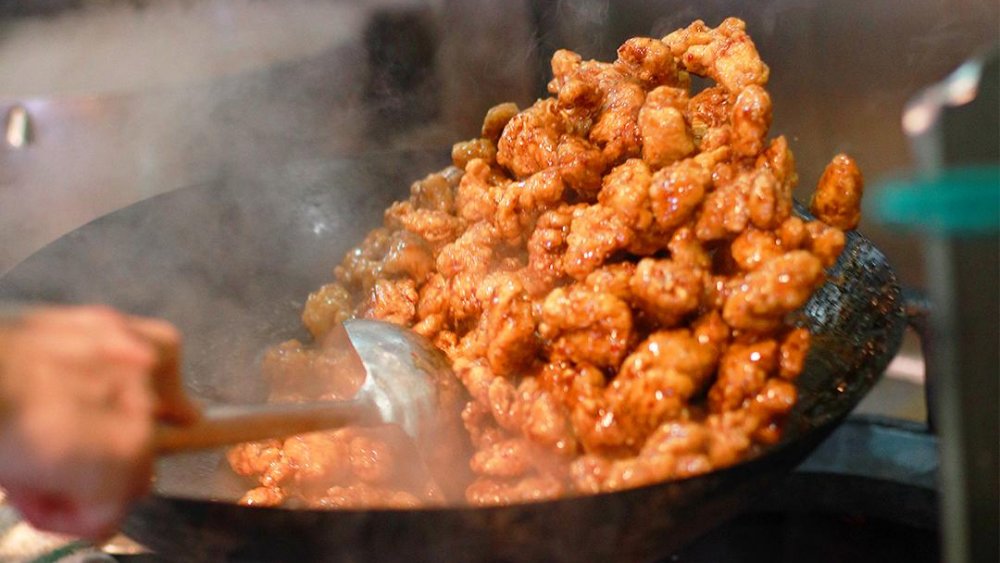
80,389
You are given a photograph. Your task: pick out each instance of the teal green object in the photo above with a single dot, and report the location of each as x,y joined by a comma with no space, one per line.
958,201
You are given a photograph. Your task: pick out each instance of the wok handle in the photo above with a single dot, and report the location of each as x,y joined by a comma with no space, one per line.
224,425
917,309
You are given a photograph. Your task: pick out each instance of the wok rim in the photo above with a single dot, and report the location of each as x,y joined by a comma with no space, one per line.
787,445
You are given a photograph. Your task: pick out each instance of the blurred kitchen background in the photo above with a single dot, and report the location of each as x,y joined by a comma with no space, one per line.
106,102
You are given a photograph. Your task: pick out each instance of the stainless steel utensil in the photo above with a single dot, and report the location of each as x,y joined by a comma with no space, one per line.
402,375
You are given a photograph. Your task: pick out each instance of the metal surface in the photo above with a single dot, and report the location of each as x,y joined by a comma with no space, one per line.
867,494
954,124
400,385
229,263
400,372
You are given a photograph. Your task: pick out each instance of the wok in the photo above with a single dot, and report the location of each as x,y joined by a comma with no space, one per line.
231,263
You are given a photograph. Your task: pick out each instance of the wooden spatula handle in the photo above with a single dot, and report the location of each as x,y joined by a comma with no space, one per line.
231,424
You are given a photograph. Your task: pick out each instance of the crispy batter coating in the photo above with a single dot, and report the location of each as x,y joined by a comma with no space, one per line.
510,325
530,140
597,231
466,151
665,134
837,201
763,297
751,120
263,496
677,192
394,301
794,347
611,272
667,291
657,380
585,326
754,247
326,307
725,54
649,61
581,165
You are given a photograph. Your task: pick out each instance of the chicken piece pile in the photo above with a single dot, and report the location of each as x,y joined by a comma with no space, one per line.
611,272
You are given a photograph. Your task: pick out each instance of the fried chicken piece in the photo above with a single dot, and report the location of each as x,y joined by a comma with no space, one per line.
393,301
263,496
749,198
325,308
297,372
710,109
614,279
433,297
675,450
361,495
596,232
321,460
466,151
677,191
725,54
792,233
436,227
792,353
581,165
571,383
764,201
264,460
478,422
588,473
751,120
496,492
506,459
497,118
510,324
371,460
362,264
522,202
754,247
656,382
825,242
408,255
665,134
479,192
667,291
546,248
743,371
778,159
546,420
766,295
837,201
565,65
472,252
649,61
626,192
616,129
530,140
687,250
585,326
437,190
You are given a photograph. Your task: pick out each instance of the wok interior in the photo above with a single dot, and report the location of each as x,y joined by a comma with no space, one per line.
232,262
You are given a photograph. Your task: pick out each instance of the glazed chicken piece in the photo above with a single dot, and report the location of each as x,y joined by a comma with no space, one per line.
611,271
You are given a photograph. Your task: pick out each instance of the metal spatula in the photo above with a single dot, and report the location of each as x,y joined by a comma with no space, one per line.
404,377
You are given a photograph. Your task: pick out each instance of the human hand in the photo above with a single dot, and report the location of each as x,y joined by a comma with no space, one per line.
79,390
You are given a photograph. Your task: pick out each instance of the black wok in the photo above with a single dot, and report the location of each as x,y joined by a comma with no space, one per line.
231,262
